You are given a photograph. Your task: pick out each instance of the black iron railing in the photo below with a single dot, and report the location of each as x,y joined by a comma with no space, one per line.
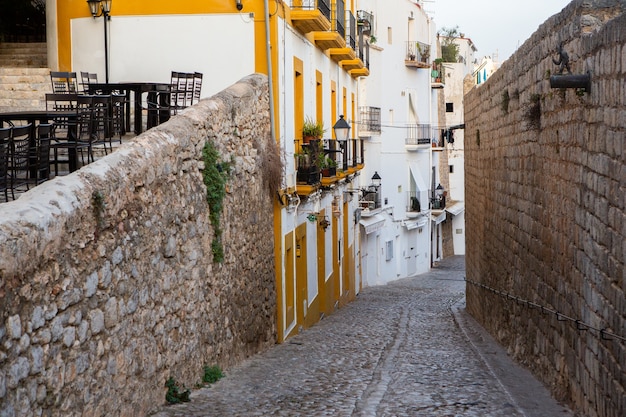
370,119
417,52
419,134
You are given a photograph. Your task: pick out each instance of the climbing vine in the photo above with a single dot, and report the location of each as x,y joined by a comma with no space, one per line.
215,175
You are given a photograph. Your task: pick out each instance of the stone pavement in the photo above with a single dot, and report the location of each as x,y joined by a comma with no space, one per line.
404,349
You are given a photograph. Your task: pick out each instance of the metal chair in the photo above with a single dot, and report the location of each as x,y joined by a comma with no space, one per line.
41,153
117,114
5,137
20,157
197,87
86,79
72,135
63,82
99,124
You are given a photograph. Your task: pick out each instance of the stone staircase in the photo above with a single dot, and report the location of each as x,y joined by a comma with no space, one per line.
18,55
24,77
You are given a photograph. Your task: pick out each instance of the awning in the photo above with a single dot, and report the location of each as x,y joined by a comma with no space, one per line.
417,177
421,222
438,218
372,224
455,208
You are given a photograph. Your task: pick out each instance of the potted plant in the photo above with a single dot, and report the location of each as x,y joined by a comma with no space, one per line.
312,130
307,164
328,166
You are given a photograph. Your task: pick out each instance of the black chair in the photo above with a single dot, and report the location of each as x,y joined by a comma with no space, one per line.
5,137
63,82
197,87
99,124
20,157
61,102
117,114
86,79
72,135
41,153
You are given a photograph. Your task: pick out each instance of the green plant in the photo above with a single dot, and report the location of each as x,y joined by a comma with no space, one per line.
312,129
174,395
532,113
449,47
212,374
97,199
326,162
215,175
505,101
372,39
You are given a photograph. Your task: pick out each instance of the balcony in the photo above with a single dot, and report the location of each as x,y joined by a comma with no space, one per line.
438,74
369,121
311,15
326,161
418,137
417,55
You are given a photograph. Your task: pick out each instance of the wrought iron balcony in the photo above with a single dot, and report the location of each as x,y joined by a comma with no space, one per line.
417,55
311,15
369,123
418,136
438,74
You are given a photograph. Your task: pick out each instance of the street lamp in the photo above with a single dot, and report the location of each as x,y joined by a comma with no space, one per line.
342,129
102,8
376,180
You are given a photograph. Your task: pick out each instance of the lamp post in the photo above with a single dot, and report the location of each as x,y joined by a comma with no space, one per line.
102,8
342,129
342,132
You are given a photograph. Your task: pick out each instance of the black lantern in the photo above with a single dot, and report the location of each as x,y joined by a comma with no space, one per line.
376,180
439,191
102,8
342,129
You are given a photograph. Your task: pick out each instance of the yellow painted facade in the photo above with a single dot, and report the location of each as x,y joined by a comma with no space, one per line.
306,288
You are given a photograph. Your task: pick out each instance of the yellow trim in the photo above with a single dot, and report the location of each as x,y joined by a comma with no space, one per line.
350,64
340,54
360,72
327,40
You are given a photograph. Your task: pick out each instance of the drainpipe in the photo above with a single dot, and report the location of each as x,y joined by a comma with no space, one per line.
268,52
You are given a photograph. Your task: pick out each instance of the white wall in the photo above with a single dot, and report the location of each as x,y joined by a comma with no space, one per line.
148,48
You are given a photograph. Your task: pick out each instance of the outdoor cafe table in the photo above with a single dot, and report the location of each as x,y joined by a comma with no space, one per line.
154,100
43,116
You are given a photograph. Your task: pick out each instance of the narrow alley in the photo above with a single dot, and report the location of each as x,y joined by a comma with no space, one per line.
404,349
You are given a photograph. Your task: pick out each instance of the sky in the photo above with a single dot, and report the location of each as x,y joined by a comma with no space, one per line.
494,25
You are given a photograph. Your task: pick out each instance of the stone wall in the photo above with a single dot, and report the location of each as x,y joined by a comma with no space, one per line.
546,217
107,280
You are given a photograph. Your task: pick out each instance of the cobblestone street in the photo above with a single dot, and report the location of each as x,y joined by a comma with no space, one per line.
404,349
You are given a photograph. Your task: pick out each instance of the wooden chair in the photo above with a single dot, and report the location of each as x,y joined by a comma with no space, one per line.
5,137
63,82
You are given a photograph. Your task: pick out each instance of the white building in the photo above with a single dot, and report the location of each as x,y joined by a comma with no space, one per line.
456,78
398,238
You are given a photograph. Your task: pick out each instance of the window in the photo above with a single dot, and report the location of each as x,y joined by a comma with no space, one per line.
451,169
449,107
389,250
